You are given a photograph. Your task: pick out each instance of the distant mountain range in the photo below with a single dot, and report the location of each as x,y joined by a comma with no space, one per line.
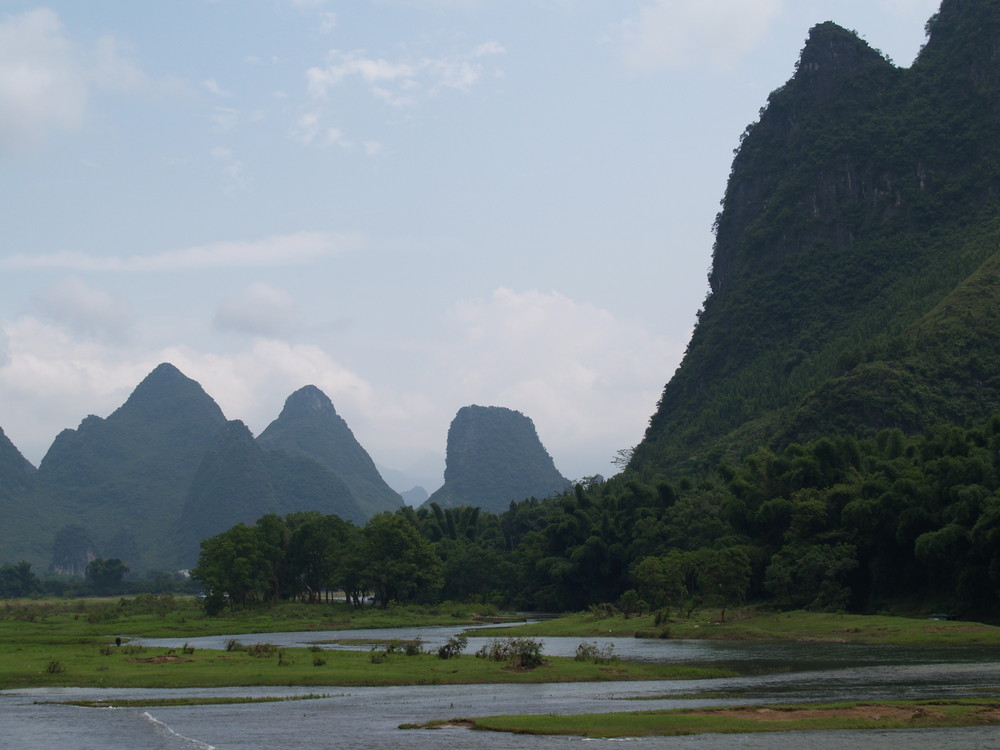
167,469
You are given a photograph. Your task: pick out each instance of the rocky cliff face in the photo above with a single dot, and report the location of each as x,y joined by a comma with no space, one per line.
494,457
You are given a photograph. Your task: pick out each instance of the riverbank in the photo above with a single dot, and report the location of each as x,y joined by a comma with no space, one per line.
752,624
745,719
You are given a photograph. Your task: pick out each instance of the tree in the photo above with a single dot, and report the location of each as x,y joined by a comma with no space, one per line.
106,575
400,564
232,567
18,580
724,574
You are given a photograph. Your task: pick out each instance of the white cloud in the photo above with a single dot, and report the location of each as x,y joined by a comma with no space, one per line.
309,130
688,33
82,308
51,379
46,79
213,87
280,250
399,83
259,310
582,375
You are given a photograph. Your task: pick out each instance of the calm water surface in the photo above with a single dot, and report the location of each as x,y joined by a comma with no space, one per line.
369,717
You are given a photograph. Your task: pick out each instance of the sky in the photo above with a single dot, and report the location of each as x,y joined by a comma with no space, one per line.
415,205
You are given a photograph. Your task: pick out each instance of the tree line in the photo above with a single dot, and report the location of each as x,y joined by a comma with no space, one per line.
836,524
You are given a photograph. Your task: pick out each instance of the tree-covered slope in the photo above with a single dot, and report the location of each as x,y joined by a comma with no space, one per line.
122,479
231,486
494,457
309,426
850,283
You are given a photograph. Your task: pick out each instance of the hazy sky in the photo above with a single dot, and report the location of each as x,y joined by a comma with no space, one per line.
415,205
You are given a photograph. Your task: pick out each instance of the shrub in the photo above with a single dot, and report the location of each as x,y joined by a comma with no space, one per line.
519,653
453,647
597,654
262,650
55,667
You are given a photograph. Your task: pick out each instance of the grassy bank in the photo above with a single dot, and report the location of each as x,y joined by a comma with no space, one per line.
95,664
749,719
758,625
73,644
150,616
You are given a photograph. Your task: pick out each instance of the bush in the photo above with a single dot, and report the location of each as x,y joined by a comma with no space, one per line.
597,654
55,667
262,650
453,647
519,653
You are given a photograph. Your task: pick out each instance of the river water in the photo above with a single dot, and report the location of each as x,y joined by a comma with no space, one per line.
369,717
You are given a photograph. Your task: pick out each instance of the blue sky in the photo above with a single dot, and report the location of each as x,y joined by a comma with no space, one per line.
415,205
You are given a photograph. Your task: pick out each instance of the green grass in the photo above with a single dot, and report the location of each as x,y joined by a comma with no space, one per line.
89,665
755,625
72,644
749,719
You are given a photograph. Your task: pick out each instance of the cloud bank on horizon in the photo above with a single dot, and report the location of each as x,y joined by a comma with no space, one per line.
415,206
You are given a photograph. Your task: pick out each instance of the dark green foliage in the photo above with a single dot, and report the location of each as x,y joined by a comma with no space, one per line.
106,576
854,283
494,457
453,647
18,581
519,653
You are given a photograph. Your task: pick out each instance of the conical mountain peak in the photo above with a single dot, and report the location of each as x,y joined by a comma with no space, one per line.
310,427
308,401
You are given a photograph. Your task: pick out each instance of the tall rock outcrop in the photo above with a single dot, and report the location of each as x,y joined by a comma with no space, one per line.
494,457
851,282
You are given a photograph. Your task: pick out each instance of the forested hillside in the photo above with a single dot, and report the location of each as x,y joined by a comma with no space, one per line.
853,282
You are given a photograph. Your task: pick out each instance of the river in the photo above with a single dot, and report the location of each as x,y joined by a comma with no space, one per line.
370,717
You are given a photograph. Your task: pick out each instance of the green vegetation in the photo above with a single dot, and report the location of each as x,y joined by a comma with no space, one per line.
772,626
748,719
847,285
895,523
66,644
